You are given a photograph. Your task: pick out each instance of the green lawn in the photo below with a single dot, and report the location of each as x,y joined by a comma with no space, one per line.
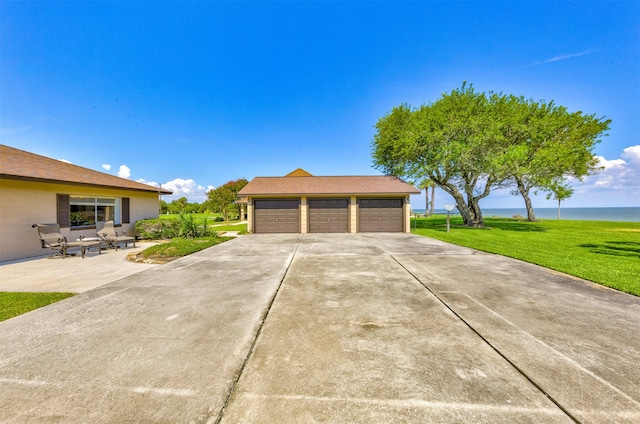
13,304
200,216
211,223
604,252
229,227
179,247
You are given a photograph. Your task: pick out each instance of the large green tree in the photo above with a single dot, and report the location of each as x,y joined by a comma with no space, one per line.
469,143
546,144
178,205
454,142
224,198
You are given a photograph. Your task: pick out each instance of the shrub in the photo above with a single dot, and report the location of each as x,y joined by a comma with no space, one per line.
191,227
218,219
156,229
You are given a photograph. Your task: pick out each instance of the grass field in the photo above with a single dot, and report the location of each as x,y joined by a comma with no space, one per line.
229,227
604,252
233,225
179,247
14,304
200,216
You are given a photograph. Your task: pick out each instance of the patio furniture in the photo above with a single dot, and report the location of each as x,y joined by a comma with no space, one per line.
52,238
109,235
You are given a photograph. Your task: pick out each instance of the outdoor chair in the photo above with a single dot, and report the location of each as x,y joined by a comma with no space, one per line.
108,234
52,238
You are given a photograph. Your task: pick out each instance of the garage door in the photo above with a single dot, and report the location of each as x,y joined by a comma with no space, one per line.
328,215
375,215
277,216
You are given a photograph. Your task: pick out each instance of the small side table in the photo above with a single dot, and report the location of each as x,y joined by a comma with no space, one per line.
93,242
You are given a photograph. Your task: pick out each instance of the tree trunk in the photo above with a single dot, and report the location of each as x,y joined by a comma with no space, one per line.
469,210
464,210
426,194
478,220
559,208
433,197
524,191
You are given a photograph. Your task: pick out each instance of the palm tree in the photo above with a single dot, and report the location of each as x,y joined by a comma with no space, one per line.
425,184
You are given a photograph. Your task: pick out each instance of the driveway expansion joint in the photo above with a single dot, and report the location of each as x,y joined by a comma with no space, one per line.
238,375
488,343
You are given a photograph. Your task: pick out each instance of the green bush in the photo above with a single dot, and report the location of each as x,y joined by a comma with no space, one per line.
191,227
218,219
157,229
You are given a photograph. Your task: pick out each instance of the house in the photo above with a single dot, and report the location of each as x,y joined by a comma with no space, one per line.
302,203
36,189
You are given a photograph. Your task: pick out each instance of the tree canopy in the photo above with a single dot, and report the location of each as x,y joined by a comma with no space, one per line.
469,143
224,198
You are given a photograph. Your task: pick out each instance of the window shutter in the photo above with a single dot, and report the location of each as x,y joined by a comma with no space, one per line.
64,210
125,210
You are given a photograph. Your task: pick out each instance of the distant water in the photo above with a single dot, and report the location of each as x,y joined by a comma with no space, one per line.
629,214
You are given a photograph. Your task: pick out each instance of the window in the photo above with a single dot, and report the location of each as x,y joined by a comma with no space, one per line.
85,211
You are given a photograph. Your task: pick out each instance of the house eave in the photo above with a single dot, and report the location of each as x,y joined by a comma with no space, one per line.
76,183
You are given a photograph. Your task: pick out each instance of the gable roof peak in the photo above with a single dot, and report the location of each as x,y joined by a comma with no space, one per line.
299,172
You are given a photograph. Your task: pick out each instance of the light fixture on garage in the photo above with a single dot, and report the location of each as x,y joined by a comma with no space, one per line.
448,207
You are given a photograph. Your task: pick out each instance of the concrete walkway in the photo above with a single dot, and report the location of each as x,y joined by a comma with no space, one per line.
367,328
71,274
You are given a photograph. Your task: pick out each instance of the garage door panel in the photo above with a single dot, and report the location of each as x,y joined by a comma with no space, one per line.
328,215
277,216
380,215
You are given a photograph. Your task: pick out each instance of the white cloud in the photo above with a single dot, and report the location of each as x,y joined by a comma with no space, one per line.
106,166
619,177
563,57
611,164
186,188
151,183
124,171
64,160
632,154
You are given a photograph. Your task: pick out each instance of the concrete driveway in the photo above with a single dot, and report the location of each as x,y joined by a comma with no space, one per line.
368,328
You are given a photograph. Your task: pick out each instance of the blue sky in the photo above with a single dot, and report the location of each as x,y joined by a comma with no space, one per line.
193,94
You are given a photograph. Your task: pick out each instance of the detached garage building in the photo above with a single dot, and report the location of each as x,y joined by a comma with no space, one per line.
302,203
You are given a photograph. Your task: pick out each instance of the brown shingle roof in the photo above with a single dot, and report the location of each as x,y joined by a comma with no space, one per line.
18,164
353,185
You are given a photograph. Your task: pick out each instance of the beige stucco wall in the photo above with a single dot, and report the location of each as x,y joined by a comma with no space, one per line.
24,203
